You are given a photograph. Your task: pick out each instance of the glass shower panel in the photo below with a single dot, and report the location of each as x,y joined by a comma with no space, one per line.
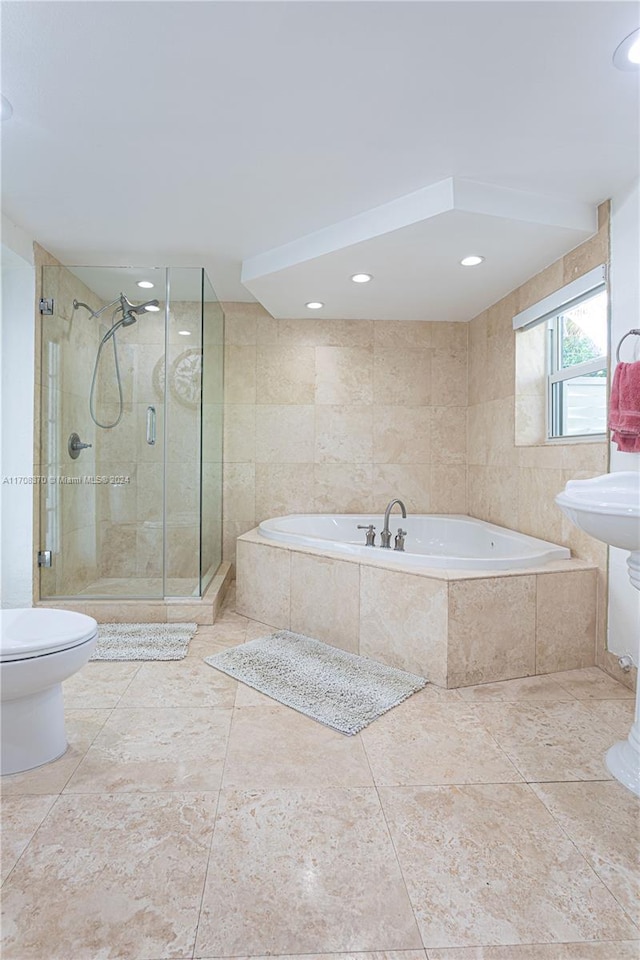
101,506
212,398
183,432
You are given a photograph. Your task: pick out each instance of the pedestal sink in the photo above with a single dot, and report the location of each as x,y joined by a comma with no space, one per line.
608,509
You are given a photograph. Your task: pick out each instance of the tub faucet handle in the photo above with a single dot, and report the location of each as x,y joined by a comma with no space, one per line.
399,539
370,534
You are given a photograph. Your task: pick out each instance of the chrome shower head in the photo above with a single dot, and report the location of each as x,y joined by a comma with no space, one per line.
129,308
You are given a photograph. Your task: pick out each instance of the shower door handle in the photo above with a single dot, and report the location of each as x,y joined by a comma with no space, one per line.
151,425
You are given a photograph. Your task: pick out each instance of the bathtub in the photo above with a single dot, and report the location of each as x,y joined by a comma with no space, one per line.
467,602
436,541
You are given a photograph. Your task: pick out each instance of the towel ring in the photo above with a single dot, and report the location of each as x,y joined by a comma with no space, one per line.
629,333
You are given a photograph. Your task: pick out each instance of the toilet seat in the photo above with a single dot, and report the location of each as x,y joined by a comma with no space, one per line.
27,633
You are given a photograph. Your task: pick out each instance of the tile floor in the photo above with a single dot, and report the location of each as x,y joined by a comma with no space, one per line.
192,817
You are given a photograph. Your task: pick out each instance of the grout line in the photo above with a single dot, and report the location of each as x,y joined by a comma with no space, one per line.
323,953
213,830
535,629
402,875
55,799
574,843
215,815
91,743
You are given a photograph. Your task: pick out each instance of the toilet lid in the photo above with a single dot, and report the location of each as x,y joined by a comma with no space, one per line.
35,631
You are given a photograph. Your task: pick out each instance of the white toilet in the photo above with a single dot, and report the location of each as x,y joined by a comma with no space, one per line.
39,648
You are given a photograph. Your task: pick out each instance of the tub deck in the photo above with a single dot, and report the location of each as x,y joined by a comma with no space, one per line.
456,627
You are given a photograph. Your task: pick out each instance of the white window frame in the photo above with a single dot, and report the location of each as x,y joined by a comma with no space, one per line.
549,310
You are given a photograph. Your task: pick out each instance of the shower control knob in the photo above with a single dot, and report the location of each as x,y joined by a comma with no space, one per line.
75,446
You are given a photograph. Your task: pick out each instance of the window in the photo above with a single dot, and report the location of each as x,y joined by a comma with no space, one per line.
577,369
572,330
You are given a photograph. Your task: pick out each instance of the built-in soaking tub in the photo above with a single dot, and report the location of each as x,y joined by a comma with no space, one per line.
440,541
467,602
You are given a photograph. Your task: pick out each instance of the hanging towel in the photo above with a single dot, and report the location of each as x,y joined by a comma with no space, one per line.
624,408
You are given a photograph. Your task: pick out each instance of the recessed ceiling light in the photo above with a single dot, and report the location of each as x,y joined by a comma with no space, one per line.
361,277
471,261
145,284
627,54
184,333
151,307
315,305
5,108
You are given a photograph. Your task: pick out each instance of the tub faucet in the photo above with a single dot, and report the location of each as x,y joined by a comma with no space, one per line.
370,534
385,536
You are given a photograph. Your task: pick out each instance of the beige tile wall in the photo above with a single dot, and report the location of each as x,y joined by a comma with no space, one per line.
514,485
340,416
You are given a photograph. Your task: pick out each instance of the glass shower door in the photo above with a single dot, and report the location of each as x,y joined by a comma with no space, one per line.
101,433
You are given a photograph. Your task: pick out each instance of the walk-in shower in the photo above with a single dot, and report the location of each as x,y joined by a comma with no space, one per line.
130,472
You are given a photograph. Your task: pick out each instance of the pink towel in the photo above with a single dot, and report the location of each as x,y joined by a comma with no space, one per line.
624,408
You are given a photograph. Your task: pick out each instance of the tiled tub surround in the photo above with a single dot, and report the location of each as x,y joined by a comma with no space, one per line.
192,817
456,627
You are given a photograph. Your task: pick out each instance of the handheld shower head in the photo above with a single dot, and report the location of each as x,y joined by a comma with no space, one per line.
124,321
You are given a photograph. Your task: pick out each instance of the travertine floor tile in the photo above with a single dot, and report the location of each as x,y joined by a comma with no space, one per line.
591,683
303,871
82,727
21,817
549,741
425,741
611,950
432,692
228,633
487,864
187,683
256,630
199,649
527,688
246,696
618,715
275,746
602,819
381,955
98,684
302,861
110,877
147,750
229,617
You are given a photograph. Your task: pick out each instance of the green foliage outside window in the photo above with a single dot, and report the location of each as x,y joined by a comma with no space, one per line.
577,347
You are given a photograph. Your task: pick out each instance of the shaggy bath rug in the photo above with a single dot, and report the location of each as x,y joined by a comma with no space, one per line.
339,689
143,641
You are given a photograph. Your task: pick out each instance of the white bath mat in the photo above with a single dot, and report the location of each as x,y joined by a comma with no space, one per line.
339,689
143,641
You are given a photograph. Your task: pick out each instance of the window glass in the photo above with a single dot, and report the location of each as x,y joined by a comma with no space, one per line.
577,368
583,331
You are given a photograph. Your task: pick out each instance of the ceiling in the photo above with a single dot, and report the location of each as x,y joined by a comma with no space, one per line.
291,144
